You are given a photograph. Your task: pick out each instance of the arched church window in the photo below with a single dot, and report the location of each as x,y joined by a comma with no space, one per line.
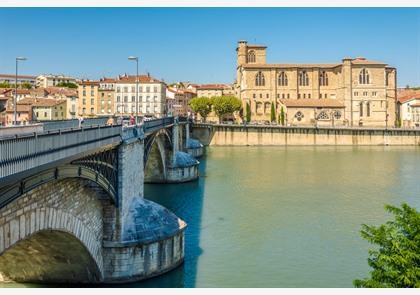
303,78
251,56
259,79
323,78
364,77
283,79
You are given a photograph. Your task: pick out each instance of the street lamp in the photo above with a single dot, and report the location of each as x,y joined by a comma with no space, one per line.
137,86
15,99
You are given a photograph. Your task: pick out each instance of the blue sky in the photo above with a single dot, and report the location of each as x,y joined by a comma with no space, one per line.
198,44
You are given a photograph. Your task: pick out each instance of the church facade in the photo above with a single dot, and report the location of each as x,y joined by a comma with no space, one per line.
355,92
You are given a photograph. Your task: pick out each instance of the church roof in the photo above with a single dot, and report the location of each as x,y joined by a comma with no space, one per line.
268,66
354,61
311,103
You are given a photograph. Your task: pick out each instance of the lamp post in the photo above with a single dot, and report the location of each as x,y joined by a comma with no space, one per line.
137,86
15,98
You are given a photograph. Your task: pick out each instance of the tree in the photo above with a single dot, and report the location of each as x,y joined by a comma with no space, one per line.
273,113
396,262
26,85
66,84
281,116
201,105
398,122
224,105
5,85
248,113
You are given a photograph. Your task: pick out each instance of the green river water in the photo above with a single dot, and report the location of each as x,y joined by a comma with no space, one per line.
284,216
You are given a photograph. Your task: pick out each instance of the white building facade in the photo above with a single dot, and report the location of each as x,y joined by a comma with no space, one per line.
151,96
409,110
52,80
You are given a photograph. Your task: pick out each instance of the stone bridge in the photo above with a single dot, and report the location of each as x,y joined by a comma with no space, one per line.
72,208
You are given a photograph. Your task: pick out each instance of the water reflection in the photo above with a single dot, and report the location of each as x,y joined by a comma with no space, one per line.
186,200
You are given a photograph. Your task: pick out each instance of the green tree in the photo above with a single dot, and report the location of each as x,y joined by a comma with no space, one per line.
273,113
224,105
281,116
66,84
26,85
5,85
201,105
396,260
398,122
248,113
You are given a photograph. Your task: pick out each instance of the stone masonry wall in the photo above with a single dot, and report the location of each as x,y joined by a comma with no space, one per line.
268,135
68,205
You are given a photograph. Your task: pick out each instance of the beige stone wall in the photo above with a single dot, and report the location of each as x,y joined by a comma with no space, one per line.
88,100
269,135
68,205
105,102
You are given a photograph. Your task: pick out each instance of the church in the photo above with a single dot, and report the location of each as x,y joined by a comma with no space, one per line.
355,92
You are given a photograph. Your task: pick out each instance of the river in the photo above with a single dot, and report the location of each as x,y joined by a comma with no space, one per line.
284,216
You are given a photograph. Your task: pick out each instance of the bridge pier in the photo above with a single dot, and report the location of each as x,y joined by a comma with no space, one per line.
149,239
167,162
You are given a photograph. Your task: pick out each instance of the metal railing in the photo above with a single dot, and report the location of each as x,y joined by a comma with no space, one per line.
74,123
23,152
156,124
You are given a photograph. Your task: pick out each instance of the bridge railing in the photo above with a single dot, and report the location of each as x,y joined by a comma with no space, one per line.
23,152
73,123
156,124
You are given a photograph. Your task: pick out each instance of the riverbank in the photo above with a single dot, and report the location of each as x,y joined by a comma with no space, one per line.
261,135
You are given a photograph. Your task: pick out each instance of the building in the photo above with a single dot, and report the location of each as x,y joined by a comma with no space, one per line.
53,80
23,112
21,79
36,109
211,90
408,108
177,101
151,93
106,97
68,94
88,98
46,109
354,92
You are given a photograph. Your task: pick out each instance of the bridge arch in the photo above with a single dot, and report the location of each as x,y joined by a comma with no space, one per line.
157,155
60,224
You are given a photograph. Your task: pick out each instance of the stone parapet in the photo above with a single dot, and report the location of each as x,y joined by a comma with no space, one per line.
240,135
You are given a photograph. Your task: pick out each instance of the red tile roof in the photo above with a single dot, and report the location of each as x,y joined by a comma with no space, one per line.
88,82
107,80
132,79
61,91
47,102
408,95
354,61
310,103
213,86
